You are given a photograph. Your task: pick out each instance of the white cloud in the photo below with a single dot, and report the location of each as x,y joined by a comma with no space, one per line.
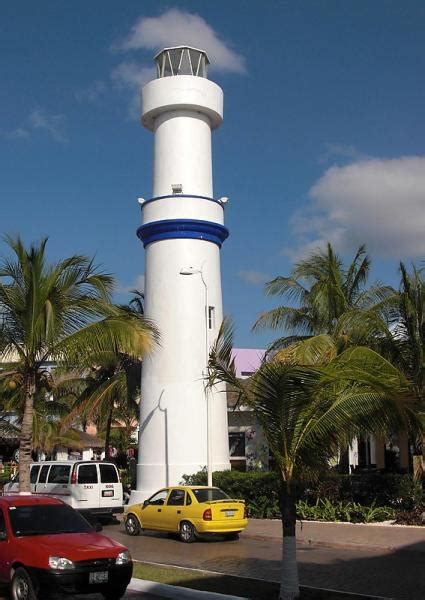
133,76
19,133
39,120
54,125
92,92
138,284
379,202
174,27
342,151
254,277
177,27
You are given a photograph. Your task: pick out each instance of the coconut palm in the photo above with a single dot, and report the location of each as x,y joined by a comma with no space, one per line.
309,413
59,312
332,299
409,329
110,386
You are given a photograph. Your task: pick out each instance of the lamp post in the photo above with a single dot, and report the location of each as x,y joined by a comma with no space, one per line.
194,271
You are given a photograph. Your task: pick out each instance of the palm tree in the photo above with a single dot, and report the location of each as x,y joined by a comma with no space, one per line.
59,312
137,303
309,413
332,300
110,386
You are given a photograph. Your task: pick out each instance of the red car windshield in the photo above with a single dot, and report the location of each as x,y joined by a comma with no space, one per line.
47,519
208,494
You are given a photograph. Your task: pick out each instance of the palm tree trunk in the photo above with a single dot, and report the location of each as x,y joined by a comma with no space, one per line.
289,585
108,431
25,446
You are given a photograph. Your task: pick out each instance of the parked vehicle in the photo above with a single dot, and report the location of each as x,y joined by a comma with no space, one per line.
91,487
46,548
188,510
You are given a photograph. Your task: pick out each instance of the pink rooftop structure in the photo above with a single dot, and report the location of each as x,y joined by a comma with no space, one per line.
247,360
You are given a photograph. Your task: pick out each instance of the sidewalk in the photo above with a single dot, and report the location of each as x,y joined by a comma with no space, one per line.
374,536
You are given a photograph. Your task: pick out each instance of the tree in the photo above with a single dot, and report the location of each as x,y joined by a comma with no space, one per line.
309,413
332,300
57,312
110,386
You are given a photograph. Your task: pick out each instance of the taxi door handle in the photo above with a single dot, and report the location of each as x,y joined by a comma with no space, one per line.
179,512
159,509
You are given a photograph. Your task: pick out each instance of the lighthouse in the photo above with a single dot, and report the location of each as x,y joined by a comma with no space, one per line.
183,426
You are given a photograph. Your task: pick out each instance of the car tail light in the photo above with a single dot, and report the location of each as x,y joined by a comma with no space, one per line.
74,475
207,516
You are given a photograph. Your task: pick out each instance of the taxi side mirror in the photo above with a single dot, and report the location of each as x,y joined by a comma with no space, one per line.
145,503
3,536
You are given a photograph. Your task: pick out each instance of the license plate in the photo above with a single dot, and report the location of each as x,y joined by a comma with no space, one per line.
98,577
107,493
229,513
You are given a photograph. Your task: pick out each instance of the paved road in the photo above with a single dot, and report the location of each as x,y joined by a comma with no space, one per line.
398,574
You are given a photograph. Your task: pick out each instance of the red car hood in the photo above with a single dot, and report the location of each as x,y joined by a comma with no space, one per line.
75,546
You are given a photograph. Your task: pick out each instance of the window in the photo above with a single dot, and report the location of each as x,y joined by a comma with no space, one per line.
47,519
208,494
59,474
43,474
2,523
176,498
108,474
33,473
211,317
158,498
87,474
237,443
188,499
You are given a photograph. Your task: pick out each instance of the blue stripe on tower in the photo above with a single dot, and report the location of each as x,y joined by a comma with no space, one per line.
182,228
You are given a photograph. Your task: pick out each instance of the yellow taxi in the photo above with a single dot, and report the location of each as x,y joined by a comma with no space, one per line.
188,510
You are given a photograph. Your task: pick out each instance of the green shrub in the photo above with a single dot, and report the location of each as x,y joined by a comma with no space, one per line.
359,498
347,512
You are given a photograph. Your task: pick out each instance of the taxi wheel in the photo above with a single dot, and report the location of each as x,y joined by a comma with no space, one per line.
22,587
132,526
187,532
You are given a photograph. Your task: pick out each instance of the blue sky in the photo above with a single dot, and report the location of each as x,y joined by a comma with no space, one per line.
323,136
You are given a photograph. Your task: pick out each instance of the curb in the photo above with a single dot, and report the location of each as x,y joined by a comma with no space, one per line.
164,590
349,545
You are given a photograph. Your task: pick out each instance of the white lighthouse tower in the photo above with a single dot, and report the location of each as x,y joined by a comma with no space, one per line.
182,427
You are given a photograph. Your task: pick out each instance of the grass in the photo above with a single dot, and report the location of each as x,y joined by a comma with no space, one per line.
255,589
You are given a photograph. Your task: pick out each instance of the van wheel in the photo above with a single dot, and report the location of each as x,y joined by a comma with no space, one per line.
22,587
187,532
132,525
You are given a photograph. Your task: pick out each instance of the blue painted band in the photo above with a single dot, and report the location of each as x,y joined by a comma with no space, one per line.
175,196
182,228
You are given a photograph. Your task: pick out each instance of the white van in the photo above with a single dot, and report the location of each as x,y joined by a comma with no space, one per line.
91,487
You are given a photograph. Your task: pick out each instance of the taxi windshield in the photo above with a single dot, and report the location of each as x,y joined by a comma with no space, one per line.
47,519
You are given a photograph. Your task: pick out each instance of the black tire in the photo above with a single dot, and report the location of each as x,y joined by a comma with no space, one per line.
232,536
115,593
22,587
187,532
132,525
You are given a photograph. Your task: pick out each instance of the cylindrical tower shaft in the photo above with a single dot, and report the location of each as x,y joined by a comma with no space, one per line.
182,232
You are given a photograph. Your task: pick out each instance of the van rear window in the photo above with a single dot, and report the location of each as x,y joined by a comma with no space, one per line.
108,474
87,474
59,474
34,472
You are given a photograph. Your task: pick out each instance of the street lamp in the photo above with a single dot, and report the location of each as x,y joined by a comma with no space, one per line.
194,271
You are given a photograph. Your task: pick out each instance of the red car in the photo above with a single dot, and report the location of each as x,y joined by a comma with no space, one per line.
46,548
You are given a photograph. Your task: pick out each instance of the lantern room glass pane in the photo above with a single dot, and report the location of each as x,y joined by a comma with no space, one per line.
181,60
